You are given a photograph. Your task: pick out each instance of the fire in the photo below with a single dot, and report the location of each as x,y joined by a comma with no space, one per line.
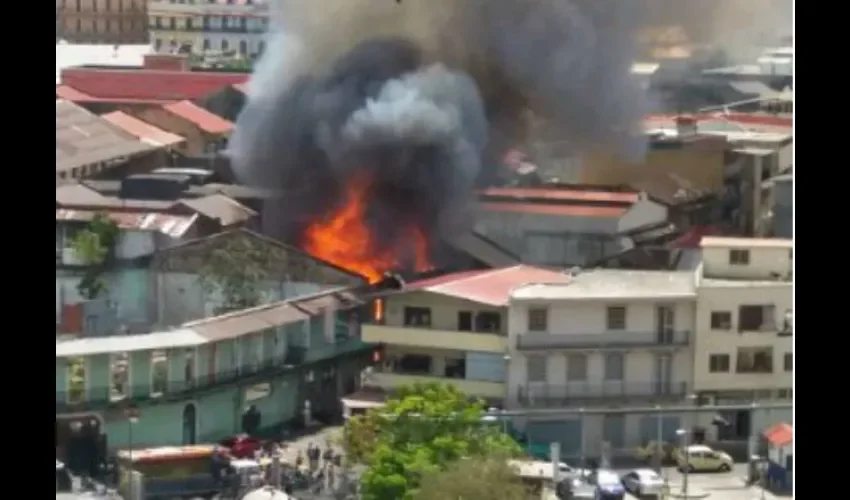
346,241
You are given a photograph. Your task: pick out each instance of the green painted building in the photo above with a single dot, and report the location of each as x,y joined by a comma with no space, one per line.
194,383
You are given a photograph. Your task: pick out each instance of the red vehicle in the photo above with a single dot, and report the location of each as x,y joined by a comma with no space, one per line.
242,446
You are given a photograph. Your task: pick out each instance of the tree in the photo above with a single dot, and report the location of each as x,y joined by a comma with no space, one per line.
490,478
93,247
238,270
420,432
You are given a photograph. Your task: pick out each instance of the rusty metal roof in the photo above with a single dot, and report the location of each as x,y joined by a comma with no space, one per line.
174,226
206,121
83,138
490,286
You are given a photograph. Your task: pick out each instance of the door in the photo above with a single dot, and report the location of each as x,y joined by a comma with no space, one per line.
663,374
190,431
665,319
613,434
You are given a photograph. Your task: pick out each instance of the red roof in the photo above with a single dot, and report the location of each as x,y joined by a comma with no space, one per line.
553,209
121,85
489,286
780,434
625,197
758,122
693,237
206,121
144,131
71,94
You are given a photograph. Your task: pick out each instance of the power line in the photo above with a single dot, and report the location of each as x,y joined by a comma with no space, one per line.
560,412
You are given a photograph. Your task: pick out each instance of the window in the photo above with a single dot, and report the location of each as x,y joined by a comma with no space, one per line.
576,368
738,257
119,366
417,316
464,321
189,367
415,364
207,44
721,320
754,360
616,318
243,47
757,318
536,368
614,366
224,45
159,373
189,23
718,363
76,380
788,362
538,319
489,322
785,394
455,368
172,23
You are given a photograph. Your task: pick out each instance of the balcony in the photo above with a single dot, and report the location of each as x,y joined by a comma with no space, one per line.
604,340
543,395
296,359
433,338
390,381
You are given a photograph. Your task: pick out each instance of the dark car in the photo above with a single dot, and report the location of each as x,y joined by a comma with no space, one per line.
607,484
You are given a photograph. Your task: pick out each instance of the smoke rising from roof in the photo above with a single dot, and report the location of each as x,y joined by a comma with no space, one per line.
421,97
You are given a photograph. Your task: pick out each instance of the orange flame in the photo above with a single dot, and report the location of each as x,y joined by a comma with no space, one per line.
346,241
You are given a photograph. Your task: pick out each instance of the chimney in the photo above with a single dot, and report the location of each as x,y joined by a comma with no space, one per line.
686,126
166,62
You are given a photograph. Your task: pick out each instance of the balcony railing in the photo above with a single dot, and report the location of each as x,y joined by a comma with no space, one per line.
610,340
104,395
554,395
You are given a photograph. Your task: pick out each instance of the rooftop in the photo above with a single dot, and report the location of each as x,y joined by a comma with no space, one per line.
83,138
490,286
142,130
72,54
726,242
206,121
613,284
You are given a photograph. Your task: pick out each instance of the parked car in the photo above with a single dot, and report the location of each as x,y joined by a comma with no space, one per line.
701,458
575,488
643,482
607,484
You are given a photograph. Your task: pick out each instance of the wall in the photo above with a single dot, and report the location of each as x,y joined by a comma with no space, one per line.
196,141
135,244
708,341
783,209
129,290
444,310
180,296
101,21
556,240
763,262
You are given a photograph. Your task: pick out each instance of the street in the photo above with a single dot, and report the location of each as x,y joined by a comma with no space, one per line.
720,486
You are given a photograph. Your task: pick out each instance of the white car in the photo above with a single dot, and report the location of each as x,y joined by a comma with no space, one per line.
570,471
643,482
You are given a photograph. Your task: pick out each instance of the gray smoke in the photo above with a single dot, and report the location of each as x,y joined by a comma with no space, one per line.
421,98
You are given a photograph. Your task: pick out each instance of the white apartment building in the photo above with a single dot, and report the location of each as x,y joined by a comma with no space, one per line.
605,339
743,348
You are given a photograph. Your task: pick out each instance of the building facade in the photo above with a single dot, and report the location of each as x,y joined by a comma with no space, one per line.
102,21
743,349
209,27
604,340
193,384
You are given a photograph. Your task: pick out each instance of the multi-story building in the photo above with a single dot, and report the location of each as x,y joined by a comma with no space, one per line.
743,349
451,328
102,21
209,26
605,339
193,383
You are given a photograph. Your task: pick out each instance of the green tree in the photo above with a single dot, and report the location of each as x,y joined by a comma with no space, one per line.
420,432
238,270
93,246
491,478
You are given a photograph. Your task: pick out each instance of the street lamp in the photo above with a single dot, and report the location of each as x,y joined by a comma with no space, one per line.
132,413
684,437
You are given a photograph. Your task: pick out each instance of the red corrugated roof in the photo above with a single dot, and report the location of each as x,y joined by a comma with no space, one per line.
781,434
693,237
562,194
143,130
552,209
71,94
206,121
141,84
490,286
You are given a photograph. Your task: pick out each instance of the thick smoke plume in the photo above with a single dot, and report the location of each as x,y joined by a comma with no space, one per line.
419,98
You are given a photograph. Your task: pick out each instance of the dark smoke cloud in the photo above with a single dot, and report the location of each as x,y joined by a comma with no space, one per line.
421,97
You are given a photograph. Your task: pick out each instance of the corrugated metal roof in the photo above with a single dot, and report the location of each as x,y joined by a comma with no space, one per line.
206,121
217,206
561,194
71,94
491,286
129,343
142,130
174,226
83,138
552,209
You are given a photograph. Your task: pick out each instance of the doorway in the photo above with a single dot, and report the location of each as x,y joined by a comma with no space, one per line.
663,374
665,321
79,444
190,419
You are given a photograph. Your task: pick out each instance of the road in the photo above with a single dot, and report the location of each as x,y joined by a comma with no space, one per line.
720,486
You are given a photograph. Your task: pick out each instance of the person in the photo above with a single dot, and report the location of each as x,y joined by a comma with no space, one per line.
313,456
